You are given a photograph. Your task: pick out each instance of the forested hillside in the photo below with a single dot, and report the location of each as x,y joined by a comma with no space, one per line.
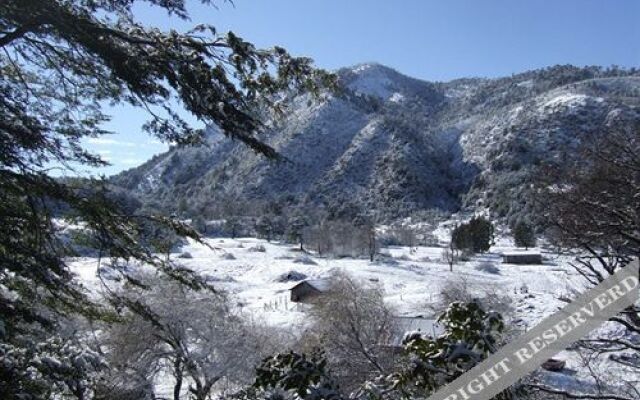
398,145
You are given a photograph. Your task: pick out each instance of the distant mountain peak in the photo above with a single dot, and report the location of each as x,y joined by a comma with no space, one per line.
370,79
387,84
369,67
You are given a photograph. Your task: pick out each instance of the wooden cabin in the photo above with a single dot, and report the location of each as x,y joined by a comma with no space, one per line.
306,290
521,258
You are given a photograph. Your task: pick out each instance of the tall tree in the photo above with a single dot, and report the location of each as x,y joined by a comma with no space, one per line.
61,61
524,235
592,212
296,225
475,235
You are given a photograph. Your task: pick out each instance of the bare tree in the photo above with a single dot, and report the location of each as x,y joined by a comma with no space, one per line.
319,237
405,235
460,289
367,231
372,241
194,335
340,238
351,321
449,255
135,356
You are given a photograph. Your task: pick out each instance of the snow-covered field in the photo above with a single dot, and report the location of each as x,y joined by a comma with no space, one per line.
412,280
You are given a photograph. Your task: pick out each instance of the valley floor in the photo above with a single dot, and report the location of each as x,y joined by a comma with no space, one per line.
413,280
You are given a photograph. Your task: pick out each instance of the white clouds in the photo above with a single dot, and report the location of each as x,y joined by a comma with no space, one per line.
110,142
123,153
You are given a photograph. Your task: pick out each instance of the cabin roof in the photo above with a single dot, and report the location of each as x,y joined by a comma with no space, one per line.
321,285
520,253
416,324
404,326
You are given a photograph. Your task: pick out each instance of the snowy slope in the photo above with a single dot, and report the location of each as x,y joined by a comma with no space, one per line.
399,144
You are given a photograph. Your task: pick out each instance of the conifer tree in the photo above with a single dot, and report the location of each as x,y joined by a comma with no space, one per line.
61,62
524,235
475,236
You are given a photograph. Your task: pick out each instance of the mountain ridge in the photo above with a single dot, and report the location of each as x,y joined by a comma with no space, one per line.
398,145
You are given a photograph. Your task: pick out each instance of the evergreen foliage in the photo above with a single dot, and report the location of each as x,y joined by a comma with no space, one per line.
471,335
524,235
475,236
305,375
61,61
480,148
296,225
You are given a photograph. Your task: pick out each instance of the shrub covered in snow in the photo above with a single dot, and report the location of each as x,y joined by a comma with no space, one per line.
471,335
257,249
291,276
304,259
488,267
389,239
459,289
209,278
386,258
292,376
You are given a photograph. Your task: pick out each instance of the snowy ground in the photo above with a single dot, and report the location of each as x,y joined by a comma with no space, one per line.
412,280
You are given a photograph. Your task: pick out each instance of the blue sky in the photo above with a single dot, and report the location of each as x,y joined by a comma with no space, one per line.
428,39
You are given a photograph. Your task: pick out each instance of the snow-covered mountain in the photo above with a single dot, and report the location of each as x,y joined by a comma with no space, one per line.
398,144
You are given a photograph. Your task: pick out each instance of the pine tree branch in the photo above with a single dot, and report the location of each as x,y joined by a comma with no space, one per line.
570,395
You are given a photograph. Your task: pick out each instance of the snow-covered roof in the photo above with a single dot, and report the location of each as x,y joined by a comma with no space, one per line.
417,324
321,285
404,326
521,253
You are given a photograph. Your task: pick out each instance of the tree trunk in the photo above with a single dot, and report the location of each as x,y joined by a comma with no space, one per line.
177,373
201,391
